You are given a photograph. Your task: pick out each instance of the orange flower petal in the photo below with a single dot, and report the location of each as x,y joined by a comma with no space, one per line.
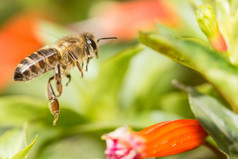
124,19
18,39
218,42
162,139
172,137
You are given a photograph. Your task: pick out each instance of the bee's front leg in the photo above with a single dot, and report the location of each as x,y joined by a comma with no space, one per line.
54,104
72,55
88,57
80,68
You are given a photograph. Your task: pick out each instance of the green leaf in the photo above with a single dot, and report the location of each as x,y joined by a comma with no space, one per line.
51,32
234,6
196,40
147,81
176,103
214,67
140,90
83,146
100,94
16,110
68,118
164,46
11,143
23,153
116,67
218,121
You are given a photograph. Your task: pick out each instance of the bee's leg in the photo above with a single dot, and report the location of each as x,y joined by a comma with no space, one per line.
87,62
80,68
88,56
77,63
69,77
58,80
54,104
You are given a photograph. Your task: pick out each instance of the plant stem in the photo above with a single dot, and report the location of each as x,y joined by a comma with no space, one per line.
215,150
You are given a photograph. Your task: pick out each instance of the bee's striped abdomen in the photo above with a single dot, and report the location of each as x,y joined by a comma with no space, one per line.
36,64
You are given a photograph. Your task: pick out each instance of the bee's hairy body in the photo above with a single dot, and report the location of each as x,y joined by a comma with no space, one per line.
62,57
48,57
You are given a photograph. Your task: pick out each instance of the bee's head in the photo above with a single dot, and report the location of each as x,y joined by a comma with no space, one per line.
92,44
91,47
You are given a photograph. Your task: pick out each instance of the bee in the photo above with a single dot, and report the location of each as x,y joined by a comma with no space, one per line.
65,54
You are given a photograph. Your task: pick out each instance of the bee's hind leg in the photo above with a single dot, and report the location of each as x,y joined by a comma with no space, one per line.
58,80
69,77
54,104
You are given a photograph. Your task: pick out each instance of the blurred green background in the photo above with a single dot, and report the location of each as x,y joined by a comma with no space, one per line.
128,85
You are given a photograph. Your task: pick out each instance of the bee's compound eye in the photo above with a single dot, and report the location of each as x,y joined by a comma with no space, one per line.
91,43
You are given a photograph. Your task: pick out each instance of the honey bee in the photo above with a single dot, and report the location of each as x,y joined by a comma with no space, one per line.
61,57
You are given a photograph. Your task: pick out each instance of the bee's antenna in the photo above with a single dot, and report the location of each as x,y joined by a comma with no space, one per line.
106,38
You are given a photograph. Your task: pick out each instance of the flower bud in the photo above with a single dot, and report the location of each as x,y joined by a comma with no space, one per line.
162,139
208,24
